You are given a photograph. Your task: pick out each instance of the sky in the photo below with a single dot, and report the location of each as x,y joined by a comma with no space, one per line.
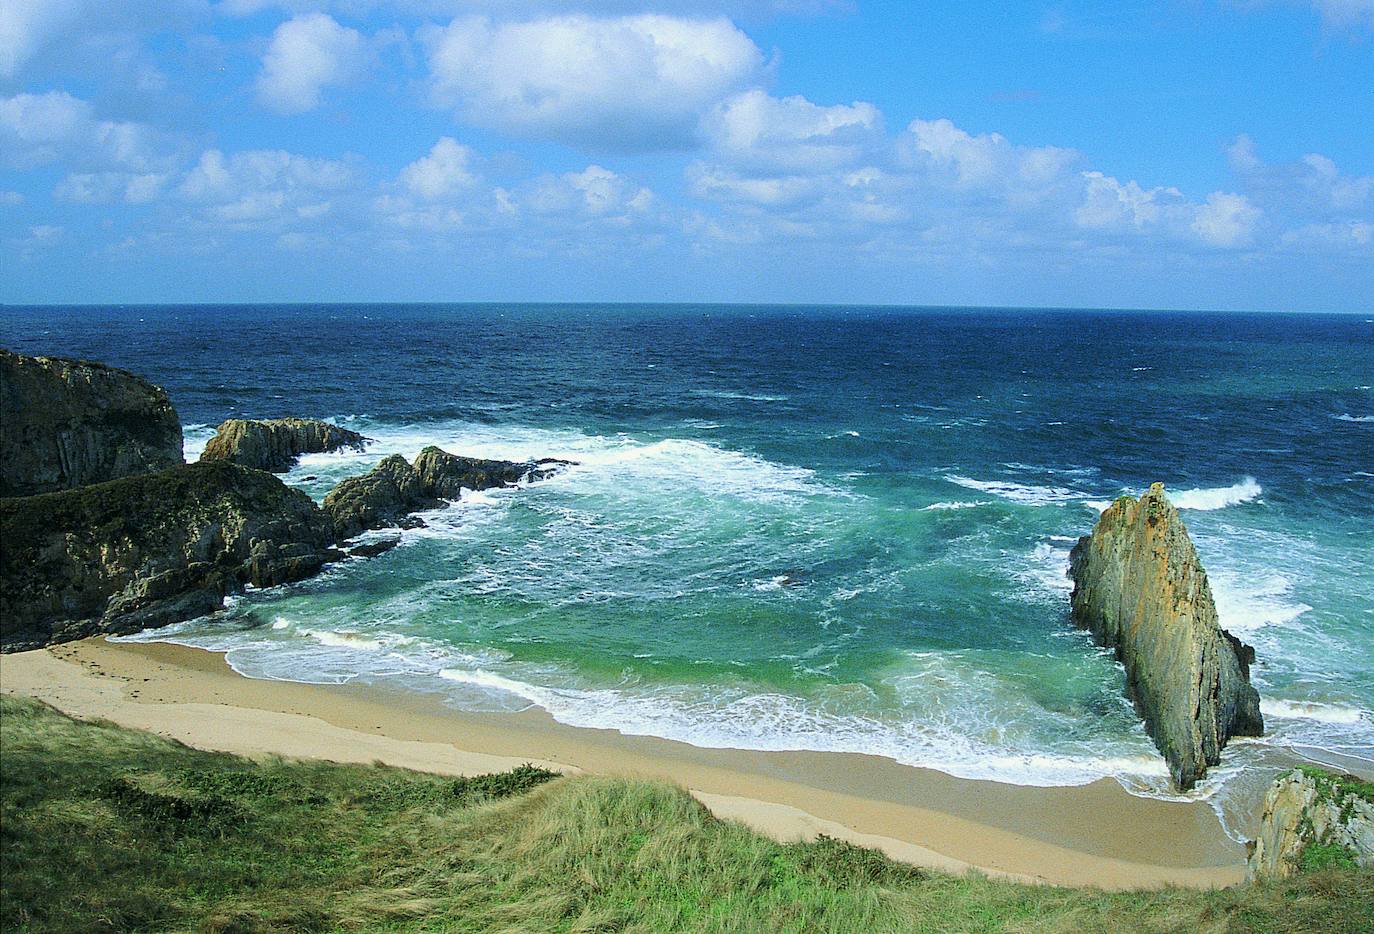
1192,154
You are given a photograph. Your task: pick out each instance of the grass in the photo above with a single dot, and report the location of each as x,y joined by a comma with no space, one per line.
107,829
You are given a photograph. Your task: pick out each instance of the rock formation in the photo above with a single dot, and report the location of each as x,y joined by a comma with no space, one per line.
67,423
445,475
149,550
1311,819
382,497
394,489
1138,585
274,445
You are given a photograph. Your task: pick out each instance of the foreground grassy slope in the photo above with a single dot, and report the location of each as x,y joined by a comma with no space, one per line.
110,829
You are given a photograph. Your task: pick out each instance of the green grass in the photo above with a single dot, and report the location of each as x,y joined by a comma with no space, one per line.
103,828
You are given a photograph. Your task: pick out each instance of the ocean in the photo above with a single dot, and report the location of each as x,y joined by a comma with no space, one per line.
820,528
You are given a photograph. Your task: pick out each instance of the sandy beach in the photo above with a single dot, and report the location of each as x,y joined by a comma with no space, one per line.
1094,834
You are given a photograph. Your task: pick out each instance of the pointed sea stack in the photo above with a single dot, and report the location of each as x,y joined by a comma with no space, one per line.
1140,589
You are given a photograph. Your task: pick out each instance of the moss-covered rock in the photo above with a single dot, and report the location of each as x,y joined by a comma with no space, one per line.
1140,588
1312,820
149,550
67,423
275,444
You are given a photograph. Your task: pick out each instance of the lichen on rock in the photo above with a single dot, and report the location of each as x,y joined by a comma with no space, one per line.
275,444
1140,588
67,423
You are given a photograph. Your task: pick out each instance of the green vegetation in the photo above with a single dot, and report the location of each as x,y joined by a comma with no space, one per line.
1334,786
103,828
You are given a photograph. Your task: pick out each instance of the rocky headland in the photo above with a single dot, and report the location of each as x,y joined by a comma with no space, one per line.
275,444
1314,819
114,533
68,423
149,550
1140,588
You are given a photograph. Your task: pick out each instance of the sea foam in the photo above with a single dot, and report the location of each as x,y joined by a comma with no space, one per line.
1208,499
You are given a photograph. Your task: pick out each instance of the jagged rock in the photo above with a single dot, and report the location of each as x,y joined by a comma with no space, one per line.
1140,589
1311,818
445,475
379,498
149,550
275,444
373,549
67,423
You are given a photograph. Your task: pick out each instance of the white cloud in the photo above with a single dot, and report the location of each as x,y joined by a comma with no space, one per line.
627,83
306,55
106,33
1346,13
986,160
10,197
103,187
757,129
28,25
263,186
36,129
1109,204
1225,220
446,171
595,192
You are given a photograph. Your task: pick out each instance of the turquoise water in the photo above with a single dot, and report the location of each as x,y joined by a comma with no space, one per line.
829,529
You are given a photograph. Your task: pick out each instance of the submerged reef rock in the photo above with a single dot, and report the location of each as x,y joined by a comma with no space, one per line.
67,423
382,497
445,475
1313,819
1140,589
149,550
275,444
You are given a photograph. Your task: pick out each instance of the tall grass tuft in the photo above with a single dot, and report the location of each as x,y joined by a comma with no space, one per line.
107,829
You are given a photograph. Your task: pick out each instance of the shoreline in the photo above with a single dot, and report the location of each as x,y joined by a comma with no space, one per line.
1096,834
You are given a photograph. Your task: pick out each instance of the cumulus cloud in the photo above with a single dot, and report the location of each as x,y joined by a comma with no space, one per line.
36,129
103,187
264,186
757,129
988,160
624,83
306,55
1225,220
446,171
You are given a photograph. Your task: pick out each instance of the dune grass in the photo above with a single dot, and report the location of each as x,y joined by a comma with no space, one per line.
103,828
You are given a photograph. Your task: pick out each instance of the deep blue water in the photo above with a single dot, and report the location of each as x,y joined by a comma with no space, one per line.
804,527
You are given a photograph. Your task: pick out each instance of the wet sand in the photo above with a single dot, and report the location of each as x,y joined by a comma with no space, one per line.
1095,834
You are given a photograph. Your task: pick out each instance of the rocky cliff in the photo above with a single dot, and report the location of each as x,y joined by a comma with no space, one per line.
1313,819
149,550
275,444
67,423
1140,588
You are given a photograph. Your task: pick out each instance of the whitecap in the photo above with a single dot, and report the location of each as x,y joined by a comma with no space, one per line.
1312,710
1207,499
1024,494
1347,417
956,504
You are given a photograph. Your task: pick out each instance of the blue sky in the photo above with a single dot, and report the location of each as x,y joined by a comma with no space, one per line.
1185,154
